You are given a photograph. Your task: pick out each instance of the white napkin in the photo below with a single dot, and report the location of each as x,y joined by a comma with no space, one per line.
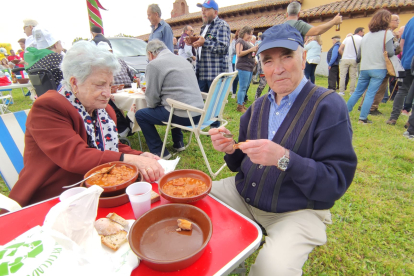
169,165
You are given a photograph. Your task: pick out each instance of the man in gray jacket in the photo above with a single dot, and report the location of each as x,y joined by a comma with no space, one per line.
167,76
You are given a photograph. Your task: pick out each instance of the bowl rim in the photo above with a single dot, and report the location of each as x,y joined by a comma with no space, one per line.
110,164
202,195
202,247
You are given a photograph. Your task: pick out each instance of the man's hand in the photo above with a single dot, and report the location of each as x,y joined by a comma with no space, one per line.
187,40
194,58
199,42
329,67
263,151
337,19
221,143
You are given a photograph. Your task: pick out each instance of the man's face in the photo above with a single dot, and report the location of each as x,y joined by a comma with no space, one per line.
283,69
208,15
28,30
174,41
12,53
153,17
361,33
190,31
253,40
395,21
22,45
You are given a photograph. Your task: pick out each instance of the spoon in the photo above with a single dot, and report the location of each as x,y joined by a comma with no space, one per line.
80,182
227,135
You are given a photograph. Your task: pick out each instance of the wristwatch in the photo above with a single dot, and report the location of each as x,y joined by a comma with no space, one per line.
283,162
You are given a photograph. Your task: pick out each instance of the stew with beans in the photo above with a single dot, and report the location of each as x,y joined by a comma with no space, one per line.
116,176
184,187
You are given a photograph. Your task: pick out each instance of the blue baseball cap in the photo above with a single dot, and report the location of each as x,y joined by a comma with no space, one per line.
209,4
283,36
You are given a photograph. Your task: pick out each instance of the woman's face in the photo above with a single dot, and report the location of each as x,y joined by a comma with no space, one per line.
248,36
95,92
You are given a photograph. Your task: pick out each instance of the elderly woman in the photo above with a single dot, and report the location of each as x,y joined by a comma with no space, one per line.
73,130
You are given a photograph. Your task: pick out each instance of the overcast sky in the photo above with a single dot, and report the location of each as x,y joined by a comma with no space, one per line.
69,19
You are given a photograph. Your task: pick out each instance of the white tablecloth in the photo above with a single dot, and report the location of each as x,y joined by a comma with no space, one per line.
130,102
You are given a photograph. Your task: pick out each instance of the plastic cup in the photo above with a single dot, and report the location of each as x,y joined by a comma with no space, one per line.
139,194
71,192
134,85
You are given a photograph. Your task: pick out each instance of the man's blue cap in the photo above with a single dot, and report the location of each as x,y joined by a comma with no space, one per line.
209,4
283,36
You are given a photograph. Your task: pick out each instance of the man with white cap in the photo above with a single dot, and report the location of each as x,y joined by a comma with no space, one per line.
47,55
290,170
212,47
28,28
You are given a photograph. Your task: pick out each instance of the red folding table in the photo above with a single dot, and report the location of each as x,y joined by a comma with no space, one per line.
235,237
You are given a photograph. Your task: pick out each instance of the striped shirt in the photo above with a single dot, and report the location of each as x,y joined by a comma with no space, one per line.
277,112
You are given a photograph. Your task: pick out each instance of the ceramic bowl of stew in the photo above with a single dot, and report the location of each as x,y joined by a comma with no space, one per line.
154,239
116,181
185,186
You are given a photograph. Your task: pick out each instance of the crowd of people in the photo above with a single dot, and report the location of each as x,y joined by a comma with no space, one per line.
290,170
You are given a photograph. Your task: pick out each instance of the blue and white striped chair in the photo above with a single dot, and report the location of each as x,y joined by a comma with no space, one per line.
215,101
12,129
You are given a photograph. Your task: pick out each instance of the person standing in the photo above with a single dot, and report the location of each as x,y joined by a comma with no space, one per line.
333,57
313,56
245,64
97,36
373,67
160,29
28,27
407,47
233,60
212,47
349,51
185,50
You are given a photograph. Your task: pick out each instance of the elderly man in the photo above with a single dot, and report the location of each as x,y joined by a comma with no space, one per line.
28,28
168,76
159,28
333,57
305,29
212,47
97,36
290,170
185,49
349,51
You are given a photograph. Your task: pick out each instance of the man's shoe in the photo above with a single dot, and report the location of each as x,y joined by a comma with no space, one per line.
376,112
391,122
407,124
179,147
341,94
408,135
366,121
233,96
359,108
240,108
167,154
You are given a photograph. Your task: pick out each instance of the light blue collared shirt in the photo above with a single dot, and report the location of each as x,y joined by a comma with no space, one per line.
164,33
277,112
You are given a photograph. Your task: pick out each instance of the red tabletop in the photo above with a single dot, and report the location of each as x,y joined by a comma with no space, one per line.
234,236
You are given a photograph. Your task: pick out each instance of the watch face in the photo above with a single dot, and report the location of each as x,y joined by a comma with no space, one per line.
283,163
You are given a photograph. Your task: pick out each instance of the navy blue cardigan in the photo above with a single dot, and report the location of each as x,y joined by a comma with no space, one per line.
318,174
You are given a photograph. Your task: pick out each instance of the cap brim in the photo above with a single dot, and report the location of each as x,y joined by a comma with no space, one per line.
204,5
288,44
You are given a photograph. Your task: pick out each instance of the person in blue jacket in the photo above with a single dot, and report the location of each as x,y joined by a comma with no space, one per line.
333,57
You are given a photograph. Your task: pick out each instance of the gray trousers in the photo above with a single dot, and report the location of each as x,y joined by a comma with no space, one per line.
290,236
262,84
405,90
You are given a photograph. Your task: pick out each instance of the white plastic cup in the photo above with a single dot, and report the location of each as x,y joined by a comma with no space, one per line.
139,194
134,85
71,192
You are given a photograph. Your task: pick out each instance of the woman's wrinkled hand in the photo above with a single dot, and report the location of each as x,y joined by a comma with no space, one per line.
221,143
150,155
147,164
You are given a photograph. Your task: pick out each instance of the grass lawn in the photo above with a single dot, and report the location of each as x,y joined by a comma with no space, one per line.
373,225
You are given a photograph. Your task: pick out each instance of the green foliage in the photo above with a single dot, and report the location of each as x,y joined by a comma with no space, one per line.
372,230
78,39
124,35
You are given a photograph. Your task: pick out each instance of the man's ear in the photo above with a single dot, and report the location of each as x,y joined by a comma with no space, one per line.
303,60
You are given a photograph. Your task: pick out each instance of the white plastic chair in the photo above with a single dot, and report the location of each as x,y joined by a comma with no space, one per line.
8,204
5,100
12,129
216,100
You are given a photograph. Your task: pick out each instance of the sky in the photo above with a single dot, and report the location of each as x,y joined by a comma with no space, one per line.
67,20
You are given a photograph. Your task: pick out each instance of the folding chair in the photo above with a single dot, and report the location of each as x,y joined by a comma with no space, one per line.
12,129
216,100
5,100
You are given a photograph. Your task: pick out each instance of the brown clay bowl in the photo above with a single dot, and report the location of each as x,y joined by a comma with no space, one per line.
114,89
185,173
15,61
111,191
154,239
22,81
121,86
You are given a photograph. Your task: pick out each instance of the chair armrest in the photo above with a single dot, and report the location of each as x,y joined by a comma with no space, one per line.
184,106
204,95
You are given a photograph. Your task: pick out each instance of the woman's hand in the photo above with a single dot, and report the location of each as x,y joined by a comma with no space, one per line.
254,48
148,165
150,155
221,143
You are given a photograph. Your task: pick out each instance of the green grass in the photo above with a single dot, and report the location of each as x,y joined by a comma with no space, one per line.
372,230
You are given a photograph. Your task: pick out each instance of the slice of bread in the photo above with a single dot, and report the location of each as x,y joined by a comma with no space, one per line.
115,241
118,219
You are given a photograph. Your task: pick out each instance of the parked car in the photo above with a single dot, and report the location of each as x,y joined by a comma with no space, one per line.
132,51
